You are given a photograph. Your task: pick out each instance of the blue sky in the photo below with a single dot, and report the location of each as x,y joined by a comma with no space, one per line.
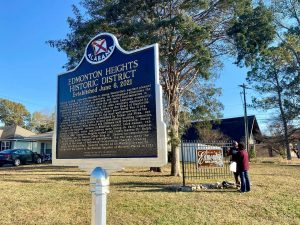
29,67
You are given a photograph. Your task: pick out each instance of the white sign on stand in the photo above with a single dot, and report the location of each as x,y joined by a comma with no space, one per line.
109,114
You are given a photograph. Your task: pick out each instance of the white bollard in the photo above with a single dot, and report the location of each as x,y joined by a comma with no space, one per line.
99,186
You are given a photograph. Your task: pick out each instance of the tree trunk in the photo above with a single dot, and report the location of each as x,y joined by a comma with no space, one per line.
284,121
175,164
286,140
175,140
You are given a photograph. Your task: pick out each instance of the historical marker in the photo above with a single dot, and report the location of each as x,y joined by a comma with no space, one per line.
109,108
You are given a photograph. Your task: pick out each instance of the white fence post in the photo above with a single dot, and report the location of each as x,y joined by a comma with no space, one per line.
99,186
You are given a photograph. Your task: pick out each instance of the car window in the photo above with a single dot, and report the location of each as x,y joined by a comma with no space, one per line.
22,151
7,151
17,152
28,152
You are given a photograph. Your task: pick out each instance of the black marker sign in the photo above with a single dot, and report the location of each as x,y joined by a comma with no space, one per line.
106,106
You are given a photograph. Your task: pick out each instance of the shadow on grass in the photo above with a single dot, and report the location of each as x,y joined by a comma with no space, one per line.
151,187
50,174
138,184
154,190
25,181
138,175
273,175
72,179
292,165
36,167
50,179
220,190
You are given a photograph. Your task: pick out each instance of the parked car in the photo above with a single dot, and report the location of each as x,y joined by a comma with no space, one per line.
19,156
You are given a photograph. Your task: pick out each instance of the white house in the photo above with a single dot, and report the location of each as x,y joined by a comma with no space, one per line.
12,137
43,142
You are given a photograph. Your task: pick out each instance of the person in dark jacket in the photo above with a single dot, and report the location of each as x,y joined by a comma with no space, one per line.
233,152
243,167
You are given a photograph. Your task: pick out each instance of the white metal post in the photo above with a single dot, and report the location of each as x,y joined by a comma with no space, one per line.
99,186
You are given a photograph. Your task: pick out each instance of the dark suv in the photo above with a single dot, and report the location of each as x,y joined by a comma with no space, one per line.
18,156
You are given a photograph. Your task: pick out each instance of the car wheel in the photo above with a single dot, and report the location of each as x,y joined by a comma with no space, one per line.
17,162
38,160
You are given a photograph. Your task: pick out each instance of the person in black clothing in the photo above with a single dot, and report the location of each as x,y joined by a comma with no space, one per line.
233,151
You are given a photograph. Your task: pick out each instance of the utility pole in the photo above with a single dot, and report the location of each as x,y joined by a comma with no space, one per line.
245,116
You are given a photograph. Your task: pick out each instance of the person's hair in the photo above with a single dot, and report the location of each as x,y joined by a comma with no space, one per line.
241,146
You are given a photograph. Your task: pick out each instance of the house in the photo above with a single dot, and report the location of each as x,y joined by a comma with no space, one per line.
233,128
12,137
43,142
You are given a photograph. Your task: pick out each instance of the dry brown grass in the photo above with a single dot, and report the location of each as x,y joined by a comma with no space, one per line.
46,195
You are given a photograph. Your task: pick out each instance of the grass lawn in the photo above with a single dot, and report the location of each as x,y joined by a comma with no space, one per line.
44,195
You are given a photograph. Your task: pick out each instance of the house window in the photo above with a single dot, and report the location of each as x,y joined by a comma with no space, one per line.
42,148
48,149
5,145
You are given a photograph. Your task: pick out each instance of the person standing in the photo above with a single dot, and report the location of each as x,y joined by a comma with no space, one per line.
233,152
243,167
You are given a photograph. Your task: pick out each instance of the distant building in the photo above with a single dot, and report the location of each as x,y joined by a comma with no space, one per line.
12,137
233,128
43,142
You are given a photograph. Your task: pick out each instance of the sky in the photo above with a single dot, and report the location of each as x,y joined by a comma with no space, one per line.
29,66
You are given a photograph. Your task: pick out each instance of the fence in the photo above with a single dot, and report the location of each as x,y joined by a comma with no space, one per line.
204,160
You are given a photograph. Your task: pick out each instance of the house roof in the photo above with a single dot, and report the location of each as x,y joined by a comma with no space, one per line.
14,132
41,137
232,127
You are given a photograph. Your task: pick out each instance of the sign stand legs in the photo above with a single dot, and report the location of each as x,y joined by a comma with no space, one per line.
99,187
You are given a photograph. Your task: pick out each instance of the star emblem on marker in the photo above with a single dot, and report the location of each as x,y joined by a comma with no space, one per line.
99,46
